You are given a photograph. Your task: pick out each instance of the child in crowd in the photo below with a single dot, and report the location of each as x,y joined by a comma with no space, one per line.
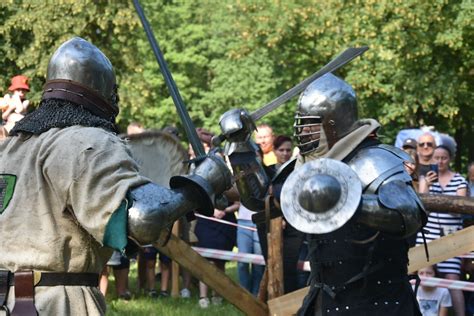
121,268
434,301
146,267
14,106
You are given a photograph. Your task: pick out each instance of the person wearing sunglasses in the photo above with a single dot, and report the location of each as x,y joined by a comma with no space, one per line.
425,149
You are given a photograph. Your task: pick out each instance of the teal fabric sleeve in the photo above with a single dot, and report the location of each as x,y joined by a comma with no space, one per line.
116,232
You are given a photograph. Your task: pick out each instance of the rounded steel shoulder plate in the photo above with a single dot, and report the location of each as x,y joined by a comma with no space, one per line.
323,212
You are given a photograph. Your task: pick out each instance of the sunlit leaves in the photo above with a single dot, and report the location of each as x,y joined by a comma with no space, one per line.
419,69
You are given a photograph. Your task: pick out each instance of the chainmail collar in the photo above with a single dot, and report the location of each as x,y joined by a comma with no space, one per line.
56,113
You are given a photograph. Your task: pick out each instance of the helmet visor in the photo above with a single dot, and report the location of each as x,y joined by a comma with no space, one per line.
307,132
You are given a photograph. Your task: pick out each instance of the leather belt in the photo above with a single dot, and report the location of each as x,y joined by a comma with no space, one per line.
61,278
26,281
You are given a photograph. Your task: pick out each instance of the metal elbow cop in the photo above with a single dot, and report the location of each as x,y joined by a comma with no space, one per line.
155,207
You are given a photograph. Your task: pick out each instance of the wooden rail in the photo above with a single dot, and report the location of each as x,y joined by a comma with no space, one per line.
189,259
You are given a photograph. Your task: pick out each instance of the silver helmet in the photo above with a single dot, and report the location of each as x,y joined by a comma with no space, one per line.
79,72
328,104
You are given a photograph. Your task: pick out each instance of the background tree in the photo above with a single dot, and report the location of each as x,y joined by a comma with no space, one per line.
31,31
419,69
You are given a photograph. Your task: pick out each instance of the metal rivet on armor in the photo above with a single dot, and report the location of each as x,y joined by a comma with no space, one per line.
347,307
376,303
378,282
334,240
328,310
340,262
331,122
386,303
337,308
396,302
389,281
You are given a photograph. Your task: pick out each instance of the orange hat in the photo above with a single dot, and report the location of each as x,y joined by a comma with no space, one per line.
19,82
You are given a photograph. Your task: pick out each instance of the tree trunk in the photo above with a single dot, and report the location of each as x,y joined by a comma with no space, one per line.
448,204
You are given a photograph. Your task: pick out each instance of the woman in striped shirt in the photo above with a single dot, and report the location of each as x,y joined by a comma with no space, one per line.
441,224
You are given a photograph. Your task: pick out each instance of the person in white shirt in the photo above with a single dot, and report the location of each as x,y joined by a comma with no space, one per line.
434,301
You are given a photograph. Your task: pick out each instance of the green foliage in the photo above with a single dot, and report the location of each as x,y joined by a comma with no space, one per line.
418,71
30,31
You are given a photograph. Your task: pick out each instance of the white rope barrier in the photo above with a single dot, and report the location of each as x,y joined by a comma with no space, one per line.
304,265
446,283
225,222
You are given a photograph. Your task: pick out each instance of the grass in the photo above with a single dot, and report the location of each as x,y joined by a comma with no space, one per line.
140,304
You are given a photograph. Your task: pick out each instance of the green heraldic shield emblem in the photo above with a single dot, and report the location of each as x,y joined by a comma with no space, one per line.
7,187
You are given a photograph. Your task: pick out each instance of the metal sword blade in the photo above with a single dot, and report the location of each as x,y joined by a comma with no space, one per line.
342,59
173,89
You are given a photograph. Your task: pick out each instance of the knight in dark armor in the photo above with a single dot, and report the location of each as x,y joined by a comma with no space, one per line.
350,193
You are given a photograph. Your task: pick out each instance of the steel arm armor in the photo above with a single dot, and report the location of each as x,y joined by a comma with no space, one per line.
250,177
389,202
155,207
395,210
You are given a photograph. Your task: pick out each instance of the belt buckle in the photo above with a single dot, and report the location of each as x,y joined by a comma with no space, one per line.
36,277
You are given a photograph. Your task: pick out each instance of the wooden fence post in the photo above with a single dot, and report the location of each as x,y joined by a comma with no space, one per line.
175,266
275,258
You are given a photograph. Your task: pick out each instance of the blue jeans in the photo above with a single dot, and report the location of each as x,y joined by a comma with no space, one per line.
247,242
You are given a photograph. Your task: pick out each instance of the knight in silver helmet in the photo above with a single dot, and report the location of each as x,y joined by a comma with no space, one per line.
73,191
351,194
370,218
327,111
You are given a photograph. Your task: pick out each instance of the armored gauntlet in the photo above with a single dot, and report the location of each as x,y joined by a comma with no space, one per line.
250,177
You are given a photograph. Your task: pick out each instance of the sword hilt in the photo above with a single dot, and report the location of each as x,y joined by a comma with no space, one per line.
217,140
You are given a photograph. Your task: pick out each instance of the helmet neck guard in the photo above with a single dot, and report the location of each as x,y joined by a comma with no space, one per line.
80,95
